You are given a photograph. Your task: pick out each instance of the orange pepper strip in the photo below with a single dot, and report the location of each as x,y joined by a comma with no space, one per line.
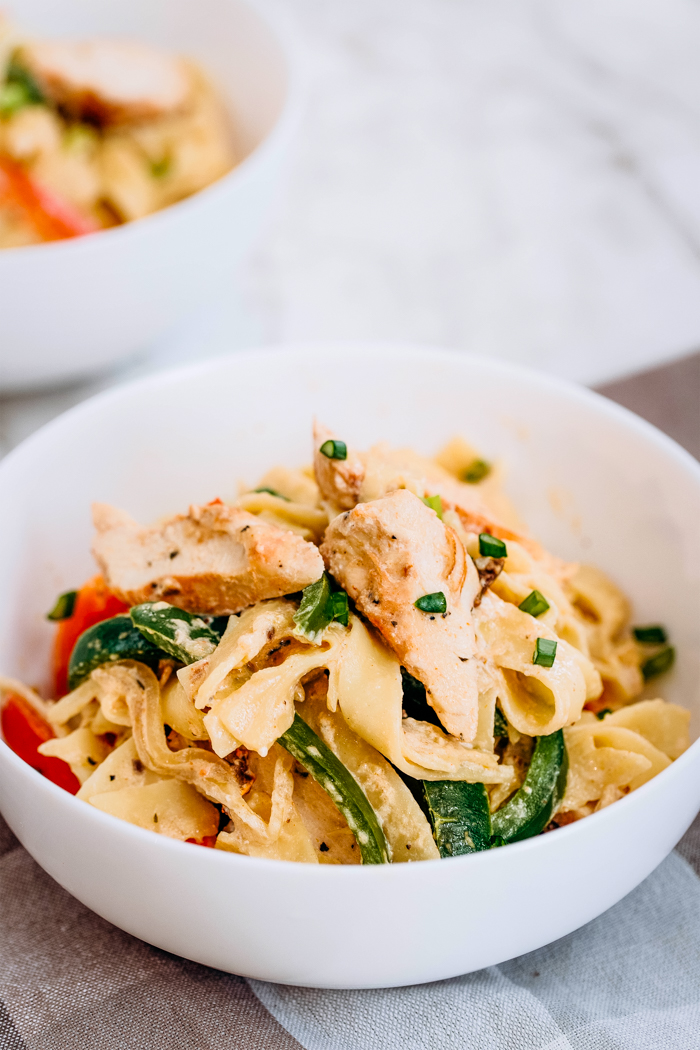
24,729
94,603
53,218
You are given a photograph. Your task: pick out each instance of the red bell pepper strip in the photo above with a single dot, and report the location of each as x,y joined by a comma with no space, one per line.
24,729
53,218
94,603
208,840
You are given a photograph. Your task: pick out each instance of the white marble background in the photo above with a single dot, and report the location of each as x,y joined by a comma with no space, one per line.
518,178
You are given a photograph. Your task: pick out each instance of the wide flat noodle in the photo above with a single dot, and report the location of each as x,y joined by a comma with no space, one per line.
168,807
605,611
254,708
404,824
536,700
243,639
262,709
664,725
81,749
208,773
123,768
293,842
307,521
603,757
366,682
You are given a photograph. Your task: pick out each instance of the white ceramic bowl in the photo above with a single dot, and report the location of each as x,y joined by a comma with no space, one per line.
628,500
74,307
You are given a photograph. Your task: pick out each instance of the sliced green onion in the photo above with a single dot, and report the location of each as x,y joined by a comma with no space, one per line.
545,652
477,470
491,547
500,726
13,97
334,449
341,610
63,609
432,603
600,715
18,74
659,663
655,635
272,492
435,503
535,604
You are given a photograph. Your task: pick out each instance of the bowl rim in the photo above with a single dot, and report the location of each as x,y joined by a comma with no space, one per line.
280,134
364,349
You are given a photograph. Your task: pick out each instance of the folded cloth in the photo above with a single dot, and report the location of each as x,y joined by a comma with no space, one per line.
630,980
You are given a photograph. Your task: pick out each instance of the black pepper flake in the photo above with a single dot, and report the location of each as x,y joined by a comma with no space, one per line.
245,528
155,818
92,761
111,776
324,848
173,554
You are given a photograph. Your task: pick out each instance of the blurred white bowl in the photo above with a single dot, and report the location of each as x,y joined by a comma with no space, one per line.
74,307
629,501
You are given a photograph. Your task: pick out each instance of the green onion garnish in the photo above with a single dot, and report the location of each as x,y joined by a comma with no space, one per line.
655,635
477,470
658,664
545,652
12,98
535,604
600,715
319,607
272,492
432,603
491,547
435,503
65,604
500,726
20,89
334,449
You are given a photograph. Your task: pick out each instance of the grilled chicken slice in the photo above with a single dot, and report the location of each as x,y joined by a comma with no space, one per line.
339,480
365,476
216,559
387,554
110,81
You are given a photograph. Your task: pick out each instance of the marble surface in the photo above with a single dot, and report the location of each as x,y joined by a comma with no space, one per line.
517,178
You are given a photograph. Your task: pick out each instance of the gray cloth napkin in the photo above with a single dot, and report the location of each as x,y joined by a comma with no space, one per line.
630,980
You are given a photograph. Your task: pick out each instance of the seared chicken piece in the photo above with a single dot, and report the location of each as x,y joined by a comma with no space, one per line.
387,554
111,81
216,559
384,469
339,480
